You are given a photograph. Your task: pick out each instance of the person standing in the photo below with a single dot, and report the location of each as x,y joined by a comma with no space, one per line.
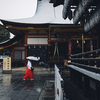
29,74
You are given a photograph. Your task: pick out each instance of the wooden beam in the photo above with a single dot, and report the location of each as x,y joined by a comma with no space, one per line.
58,40
65,26
25,28
69,30
77,38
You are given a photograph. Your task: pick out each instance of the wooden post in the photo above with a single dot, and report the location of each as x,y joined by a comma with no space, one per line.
25,38
98,42
25,48
82,43
12,53
25,55
91,45
97,90
49,38
69,46
86,85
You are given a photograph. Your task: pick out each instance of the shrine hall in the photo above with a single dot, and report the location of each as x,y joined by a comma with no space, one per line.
57,31
37,35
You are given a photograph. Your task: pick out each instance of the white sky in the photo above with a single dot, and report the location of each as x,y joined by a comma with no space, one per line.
14,9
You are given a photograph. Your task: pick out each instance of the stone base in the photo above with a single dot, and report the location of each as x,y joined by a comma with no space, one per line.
7,71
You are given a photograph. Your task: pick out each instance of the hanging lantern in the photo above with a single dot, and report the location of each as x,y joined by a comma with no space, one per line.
29,47
77,41
84,41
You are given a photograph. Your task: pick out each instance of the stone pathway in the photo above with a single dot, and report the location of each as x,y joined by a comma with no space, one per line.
12,87
47,92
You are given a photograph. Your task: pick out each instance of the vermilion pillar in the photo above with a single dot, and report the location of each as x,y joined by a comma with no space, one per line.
91,45
25,48
69,47
49,38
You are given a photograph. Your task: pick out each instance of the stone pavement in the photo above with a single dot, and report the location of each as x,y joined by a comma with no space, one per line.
48,91
12,87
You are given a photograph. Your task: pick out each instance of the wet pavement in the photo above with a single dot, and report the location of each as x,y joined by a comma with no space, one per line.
12,87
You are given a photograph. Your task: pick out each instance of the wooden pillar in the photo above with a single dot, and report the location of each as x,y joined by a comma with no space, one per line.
12,53
97,90
25,38
79,80
92,63
91,45
71,73
74,76
69,47
86,85
82,43
49,38
25,55
25,48
98,32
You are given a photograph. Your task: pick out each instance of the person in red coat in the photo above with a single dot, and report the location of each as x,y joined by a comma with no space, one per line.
29,74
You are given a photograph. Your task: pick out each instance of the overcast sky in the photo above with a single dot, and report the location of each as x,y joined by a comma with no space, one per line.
14,9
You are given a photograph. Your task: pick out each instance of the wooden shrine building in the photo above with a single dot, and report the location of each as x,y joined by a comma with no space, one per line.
39,41
39,34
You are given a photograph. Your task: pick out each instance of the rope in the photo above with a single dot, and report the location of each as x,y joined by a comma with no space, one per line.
56,49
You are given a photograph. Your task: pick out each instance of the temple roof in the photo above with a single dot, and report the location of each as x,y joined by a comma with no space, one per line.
10,42
45,13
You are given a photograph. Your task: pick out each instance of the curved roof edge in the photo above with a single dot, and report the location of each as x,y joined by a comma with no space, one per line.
10,42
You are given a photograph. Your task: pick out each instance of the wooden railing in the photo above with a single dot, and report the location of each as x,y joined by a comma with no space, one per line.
87,60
